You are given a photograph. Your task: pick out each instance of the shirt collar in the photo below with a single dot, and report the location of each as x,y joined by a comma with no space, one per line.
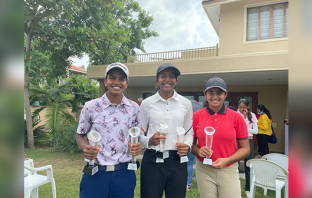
106,102
157,97
223,110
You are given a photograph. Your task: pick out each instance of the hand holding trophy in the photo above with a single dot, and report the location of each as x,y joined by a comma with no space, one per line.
134,133
94,137
180,135
209,131
163,129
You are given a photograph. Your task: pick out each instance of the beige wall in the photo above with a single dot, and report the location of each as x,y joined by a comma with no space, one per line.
272,96
241,63
233,28
133,93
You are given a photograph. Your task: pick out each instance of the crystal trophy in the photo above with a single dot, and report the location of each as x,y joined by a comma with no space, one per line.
209,137
94,137
163,129
180,135
134,133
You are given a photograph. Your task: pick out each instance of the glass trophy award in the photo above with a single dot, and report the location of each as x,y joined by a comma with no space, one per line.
209,131
134,133
94,137
180,135
163,129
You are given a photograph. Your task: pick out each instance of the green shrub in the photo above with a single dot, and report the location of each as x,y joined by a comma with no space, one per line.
66,141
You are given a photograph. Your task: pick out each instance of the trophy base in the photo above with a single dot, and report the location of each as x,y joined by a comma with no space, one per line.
207,161
132,166
183,159
90,170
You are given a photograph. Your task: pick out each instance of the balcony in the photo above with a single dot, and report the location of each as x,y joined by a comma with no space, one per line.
174,55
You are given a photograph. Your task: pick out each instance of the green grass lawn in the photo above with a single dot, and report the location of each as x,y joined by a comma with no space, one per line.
67,170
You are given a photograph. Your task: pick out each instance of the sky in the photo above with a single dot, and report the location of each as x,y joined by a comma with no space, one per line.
181,24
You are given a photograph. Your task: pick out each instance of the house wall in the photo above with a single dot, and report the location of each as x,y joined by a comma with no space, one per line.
254,62
274,97
133,93
232,35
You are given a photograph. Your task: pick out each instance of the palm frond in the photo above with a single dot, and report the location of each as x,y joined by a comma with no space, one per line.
75,106
68,116
35,92
54,116
37,111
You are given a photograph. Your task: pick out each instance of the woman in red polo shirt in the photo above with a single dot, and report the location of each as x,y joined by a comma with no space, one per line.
221,178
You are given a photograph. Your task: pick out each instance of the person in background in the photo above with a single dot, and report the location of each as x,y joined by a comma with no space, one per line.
190,164
112,115
251,122
264,130
163,171
221,178
233,108
140,99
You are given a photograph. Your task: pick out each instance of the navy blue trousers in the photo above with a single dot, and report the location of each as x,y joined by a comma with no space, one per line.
103,184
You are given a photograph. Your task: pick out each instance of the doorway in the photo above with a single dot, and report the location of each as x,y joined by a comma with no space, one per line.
198,96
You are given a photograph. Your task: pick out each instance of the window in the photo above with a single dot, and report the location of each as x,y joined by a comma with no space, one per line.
267,22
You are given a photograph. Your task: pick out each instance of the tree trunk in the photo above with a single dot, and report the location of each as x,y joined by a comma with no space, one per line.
30,133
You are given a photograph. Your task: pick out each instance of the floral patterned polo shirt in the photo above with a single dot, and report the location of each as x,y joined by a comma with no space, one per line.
112,122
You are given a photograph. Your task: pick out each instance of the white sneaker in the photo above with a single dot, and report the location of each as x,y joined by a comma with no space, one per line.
247,193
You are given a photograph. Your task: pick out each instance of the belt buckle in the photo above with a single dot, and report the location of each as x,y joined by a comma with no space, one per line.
110,168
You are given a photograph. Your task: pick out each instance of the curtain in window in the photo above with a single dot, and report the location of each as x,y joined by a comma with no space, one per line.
252,24
278,21
265,22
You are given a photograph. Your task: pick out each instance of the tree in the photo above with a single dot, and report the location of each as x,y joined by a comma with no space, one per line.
39,18
56,98
43,67
48,21
114,20
104,29
83,89
82,67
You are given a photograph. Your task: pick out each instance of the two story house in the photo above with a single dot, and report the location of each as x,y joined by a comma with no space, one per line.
252,57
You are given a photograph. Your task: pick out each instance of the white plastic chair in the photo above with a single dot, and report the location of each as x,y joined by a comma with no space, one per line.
281,160
29,163
32,180
264,173
277,158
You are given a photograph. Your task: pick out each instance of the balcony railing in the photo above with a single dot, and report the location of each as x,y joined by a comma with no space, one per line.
174,55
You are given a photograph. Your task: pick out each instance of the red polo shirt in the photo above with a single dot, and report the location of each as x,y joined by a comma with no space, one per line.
229,126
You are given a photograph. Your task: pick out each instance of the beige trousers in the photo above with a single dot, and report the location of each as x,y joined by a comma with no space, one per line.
222,183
